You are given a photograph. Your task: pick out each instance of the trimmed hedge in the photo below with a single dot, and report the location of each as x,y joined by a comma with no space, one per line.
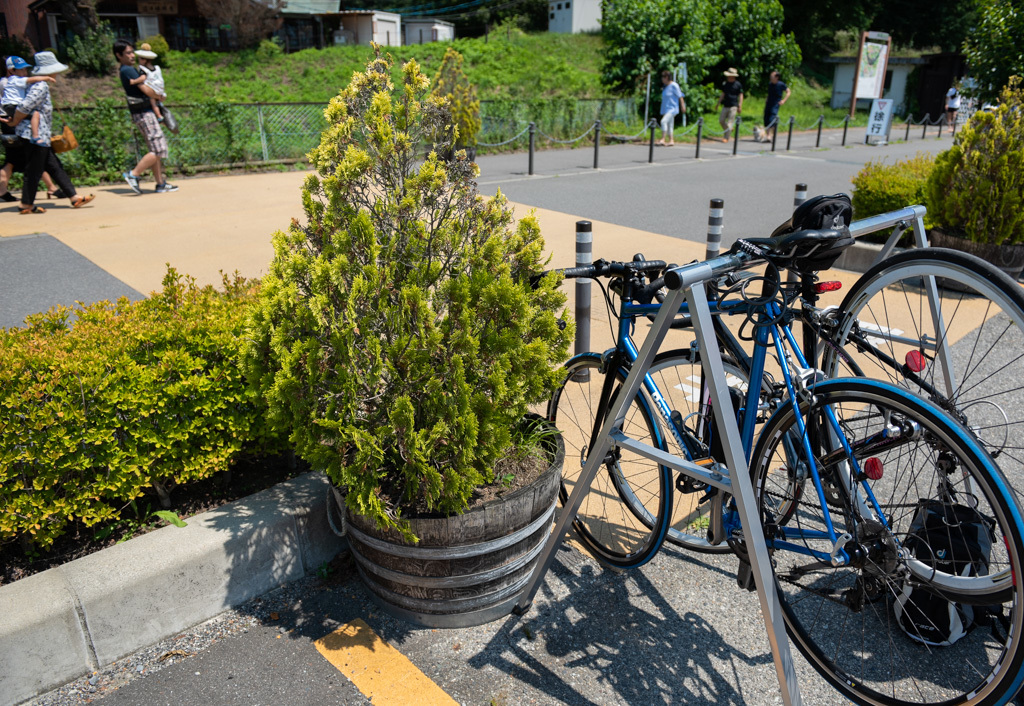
131,397
879,188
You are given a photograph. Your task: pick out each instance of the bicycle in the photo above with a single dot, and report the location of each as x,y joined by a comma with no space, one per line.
836,522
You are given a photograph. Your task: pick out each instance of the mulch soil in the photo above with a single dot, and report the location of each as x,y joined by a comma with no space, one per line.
249,475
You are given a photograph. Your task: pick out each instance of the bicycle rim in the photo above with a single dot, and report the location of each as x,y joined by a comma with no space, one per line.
842,618
983,316
624,516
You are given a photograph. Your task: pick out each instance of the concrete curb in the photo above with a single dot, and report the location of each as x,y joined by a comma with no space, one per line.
65,622
859,257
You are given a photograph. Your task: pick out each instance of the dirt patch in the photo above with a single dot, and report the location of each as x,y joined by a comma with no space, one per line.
83,91
249,475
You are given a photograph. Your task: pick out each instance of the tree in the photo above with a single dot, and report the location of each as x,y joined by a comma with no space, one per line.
250,20
80,15
995,46
750,39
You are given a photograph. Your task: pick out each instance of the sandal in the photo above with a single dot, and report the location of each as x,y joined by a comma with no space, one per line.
56,194
31,209
81,201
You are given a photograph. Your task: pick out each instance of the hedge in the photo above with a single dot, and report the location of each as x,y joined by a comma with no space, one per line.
129,398
879,187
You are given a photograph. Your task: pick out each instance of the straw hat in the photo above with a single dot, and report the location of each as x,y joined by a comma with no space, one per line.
47,64
145,51
731,72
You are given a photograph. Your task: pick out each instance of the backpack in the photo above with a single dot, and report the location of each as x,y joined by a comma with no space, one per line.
951,538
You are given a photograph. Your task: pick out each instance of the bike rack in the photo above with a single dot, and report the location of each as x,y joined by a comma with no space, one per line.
735,479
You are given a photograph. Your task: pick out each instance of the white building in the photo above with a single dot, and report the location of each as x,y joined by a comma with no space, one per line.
365,26
572,16
423,30
896,74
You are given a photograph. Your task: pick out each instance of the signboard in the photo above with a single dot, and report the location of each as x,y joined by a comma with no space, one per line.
158,7
871,70
880,121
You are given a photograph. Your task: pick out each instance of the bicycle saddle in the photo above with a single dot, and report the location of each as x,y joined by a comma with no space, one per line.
817,213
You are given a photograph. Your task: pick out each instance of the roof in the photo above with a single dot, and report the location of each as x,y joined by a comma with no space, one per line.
311,7
425,20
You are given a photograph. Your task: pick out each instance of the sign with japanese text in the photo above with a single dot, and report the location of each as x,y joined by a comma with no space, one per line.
158,7
880,120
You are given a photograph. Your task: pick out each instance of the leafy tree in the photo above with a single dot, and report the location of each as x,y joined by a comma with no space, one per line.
750,38
250,21
814,23
79,14
995,46
647,36
90,52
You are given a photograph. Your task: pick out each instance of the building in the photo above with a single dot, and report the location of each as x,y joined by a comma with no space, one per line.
921,81
896,75
418,30
573,16
365,26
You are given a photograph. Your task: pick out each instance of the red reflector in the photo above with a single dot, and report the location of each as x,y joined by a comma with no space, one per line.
873,468
827,287
916,361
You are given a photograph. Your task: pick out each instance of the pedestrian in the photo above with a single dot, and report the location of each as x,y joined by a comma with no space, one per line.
778,94
155,80
39,157
952,104
731,100
138,96
14,157
15,88
672,104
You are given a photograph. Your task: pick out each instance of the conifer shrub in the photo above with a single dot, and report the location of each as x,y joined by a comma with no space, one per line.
129,397
452,83
397,336
977,186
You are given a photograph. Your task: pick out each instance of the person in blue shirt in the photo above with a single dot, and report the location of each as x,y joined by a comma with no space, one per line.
672,104
778,94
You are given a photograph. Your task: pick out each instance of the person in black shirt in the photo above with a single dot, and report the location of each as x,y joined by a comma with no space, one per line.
138,96
778,94
731,100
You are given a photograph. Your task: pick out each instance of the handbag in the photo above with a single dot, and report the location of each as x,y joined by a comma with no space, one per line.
64,142
170,122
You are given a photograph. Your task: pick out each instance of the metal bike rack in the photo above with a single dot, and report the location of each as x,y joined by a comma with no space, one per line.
735,479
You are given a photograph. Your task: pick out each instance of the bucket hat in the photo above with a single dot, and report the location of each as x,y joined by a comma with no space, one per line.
731,72
47,64
145,51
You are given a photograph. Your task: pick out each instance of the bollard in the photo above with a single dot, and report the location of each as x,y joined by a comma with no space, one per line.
775,131
789,139
597,140
650,150
846,124
800,195
927,117
584,257
715,218
910,118
700,132
736,137
821,121
954,129
942,121
533,133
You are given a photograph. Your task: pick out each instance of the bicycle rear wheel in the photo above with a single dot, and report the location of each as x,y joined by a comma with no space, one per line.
842,617
624,516
982,321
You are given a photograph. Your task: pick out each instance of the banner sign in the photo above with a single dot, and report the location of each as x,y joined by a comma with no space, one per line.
871,69
158,7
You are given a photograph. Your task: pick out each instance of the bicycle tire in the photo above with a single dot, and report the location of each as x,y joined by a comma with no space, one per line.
608,522
841,618
985,327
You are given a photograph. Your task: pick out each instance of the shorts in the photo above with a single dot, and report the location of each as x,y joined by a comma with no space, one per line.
150,128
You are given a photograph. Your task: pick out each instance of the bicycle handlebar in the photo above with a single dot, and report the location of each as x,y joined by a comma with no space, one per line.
602,268
691,274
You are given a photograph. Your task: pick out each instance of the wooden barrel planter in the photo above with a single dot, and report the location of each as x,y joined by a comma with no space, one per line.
467,569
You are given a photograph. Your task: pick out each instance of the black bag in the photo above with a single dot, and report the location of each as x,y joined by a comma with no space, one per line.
951,538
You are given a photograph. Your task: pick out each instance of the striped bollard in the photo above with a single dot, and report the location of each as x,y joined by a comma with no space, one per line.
800,195
716,213
584,257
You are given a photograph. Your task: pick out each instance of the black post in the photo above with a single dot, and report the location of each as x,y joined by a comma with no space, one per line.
927,117
736,137
650,150
789,139
846,124
597,140
775,131
700,132
942,122
821,121
533,133
910,119
954,128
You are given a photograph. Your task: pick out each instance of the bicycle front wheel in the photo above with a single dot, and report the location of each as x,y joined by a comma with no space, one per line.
843,618
967,356
624,516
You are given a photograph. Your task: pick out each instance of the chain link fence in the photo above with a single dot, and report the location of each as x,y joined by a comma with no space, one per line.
221,135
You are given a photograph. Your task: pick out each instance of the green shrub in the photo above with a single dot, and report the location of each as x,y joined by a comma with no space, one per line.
451,83
91,52
397,337
131,397
879,187
17,46
977,187
158,44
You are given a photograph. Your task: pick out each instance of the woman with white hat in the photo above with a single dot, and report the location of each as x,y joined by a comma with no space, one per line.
39,156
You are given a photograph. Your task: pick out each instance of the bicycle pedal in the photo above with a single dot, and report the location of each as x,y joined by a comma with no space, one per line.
745,576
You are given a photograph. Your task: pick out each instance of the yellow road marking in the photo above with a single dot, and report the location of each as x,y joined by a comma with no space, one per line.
382,673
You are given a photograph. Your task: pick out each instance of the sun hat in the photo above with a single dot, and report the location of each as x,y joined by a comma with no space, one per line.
16,62
47,64
731,72
145,51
